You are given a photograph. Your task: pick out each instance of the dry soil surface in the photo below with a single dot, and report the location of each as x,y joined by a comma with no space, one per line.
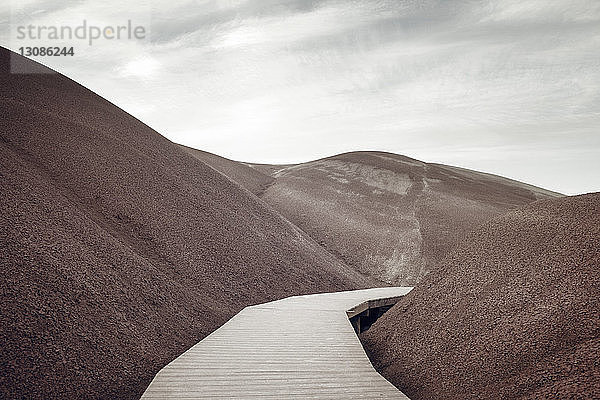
512,313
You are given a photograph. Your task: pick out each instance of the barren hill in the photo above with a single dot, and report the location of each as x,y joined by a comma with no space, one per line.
388,216
512,313
119,250
244,175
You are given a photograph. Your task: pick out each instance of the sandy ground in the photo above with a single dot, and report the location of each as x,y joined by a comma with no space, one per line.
513,312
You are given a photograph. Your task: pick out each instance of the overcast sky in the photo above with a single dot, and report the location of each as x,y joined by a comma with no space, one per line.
502,86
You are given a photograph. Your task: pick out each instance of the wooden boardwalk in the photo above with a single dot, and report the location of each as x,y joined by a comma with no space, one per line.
301,347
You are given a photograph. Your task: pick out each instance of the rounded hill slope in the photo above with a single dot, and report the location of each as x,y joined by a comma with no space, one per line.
513,312
390,216
118,250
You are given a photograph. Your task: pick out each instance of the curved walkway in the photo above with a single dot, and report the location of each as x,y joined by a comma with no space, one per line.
300,347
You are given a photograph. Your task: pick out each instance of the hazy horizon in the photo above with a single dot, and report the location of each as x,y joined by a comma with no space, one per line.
506,87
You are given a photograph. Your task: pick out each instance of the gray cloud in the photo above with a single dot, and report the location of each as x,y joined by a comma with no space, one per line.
506,86
192,16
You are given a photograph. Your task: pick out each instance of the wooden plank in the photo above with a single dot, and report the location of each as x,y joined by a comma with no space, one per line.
301,347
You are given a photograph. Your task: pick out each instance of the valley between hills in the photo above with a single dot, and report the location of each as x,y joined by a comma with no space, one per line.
121,249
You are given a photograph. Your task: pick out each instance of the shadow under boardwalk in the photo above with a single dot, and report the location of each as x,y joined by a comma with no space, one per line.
301,347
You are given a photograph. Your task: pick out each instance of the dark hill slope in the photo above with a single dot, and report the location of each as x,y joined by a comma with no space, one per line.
118,250
512,313
246,176
388,216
